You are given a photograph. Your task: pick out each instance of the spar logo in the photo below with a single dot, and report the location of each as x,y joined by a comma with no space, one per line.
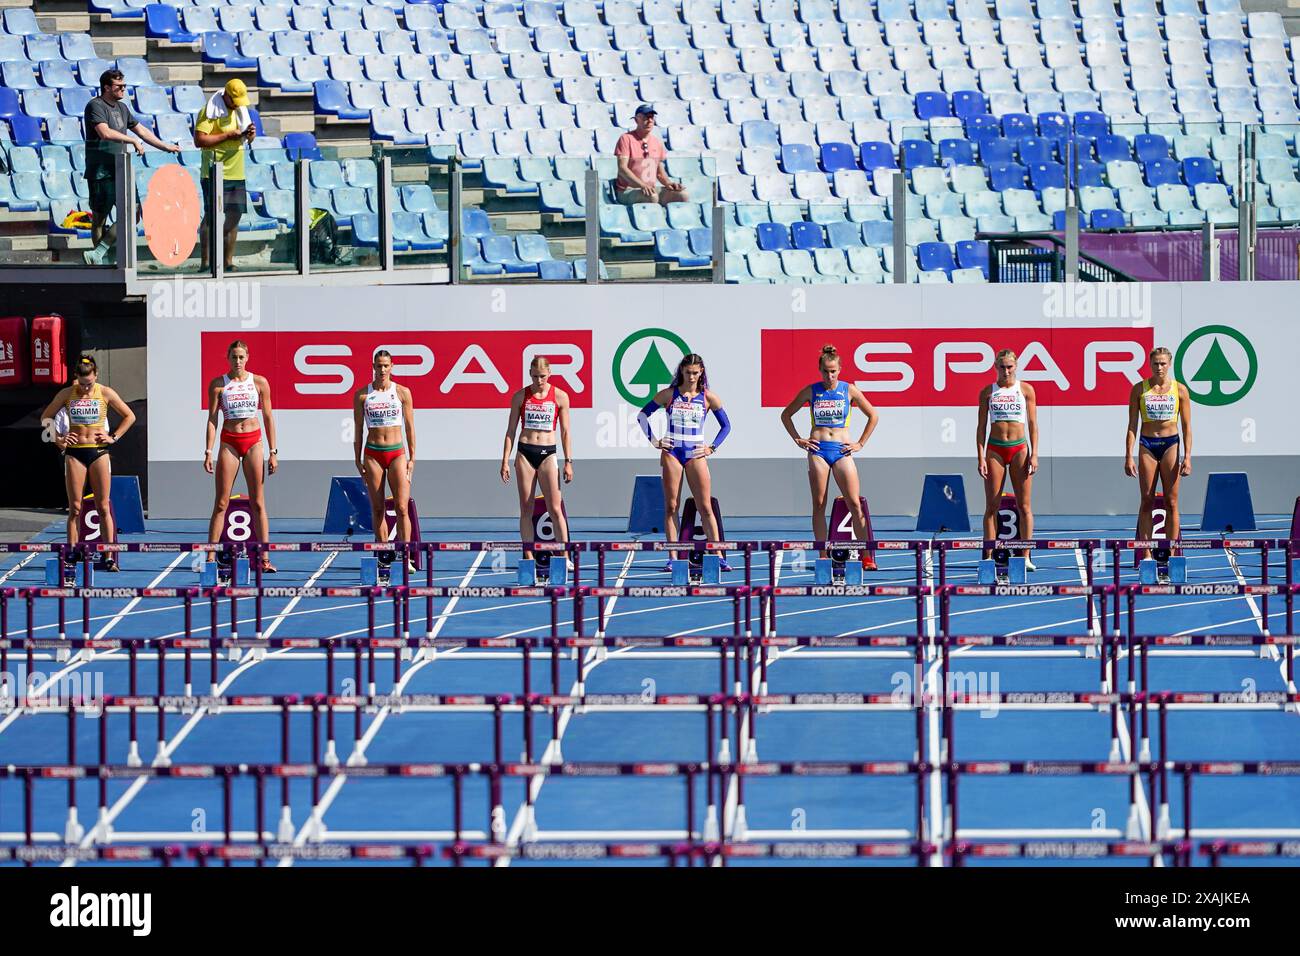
443,368
644,363
1218,359
944,367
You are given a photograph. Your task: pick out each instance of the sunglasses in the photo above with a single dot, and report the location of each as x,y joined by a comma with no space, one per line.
645,150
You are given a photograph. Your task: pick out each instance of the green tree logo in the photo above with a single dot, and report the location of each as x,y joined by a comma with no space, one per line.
637,374
1226,379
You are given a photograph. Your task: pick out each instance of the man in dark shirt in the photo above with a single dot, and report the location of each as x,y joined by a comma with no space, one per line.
109,123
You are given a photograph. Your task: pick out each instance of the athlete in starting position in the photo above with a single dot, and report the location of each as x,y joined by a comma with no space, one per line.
828,447
1012,447
683,451
380,413
238,396
85,446
538,411
1161,405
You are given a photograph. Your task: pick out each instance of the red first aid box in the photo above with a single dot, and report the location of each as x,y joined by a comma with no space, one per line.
49,354
13,352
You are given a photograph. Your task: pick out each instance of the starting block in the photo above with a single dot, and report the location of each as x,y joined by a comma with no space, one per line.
842,567
544,569
377,568
1002,568
1159,524
841,528
700,568
224,572
1228,506
1163,568
943,505
69,576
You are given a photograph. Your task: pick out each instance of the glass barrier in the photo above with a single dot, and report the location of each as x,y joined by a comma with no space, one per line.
420,200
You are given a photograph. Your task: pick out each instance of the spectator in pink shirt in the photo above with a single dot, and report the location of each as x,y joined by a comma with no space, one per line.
641,174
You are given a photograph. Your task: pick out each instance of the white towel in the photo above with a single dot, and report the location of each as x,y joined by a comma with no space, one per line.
216,109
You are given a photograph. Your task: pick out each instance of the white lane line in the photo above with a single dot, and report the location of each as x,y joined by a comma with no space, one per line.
87,656
524,821
315,825
249,659
938,825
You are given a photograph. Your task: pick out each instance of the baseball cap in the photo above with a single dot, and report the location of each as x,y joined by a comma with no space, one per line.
237,92
645,108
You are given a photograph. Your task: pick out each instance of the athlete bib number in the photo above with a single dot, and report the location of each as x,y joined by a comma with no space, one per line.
238,527
1008,518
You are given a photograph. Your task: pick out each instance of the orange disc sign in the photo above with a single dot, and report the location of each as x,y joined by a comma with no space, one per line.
172,212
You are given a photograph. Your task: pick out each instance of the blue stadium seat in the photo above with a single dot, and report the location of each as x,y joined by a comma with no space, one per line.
1199,169
956,152
806,235
876,155
917,152
554,270
1112,148
1108,219
161,21
837,156
1033,149
1004,176
500,250
1149,146
673,245
1162,171
932,256
772,236
1091,124
973,254
996,151
930,105
301,146
1047,176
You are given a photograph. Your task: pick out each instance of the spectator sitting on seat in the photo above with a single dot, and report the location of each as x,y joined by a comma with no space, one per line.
641,173
221,130
109,125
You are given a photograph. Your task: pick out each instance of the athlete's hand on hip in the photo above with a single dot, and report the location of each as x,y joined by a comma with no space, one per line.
664,444
1033,464
984,467
851,447
568,472
1130,467
701,451
807,444
505,473
1187,466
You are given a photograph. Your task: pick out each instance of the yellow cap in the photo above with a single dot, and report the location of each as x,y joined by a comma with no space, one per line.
237,92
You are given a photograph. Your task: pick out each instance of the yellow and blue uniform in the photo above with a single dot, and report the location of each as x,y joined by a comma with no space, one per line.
1157,408
830,408
89,410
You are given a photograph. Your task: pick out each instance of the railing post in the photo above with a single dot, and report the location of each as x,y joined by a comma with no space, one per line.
454,220
302,212
216,220
386,214
900,221
718,223
1071,226
125,172
1245,210
1209,253
592,188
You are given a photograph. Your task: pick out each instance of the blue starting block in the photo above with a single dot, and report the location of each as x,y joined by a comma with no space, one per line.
239,574
943,504
1228,506
999,570
833,571
376,573
1163,568
708,570
533,572
54,574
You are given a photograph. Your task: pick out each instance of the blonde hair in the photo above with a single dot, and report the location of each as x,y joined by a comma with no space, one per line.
829,353
1161,351
1004,353
541,361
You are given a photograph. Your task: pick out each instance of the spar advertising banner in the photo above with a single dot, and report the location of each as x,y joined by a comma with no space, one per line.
921,355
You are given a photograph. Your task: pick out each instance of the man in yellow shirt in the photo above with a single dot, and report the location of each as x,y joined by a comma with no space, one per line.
222,129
